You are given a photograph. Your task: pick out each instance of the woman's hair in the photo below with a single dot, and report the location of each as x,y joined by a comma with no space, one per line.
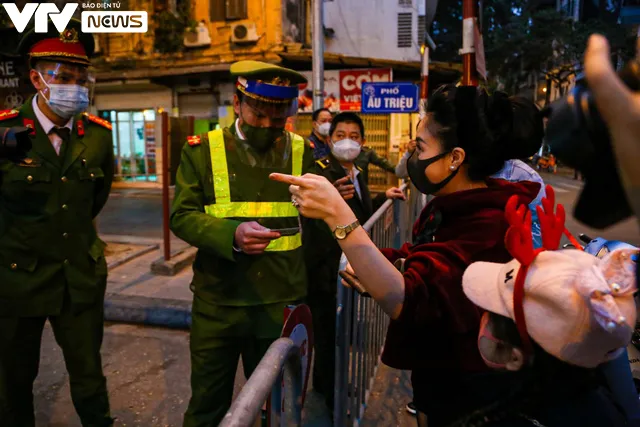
489,128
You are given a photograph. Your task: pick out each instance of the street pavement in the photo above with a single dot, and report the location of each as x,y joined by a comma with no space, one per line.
147,368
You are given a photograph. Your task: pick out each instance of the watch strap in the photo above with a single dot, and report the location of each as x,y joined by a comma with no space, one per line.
346,229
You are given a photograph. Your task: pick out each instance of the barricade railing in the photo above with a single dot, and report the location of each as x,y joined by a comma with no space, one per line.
360,332
361,324
279,367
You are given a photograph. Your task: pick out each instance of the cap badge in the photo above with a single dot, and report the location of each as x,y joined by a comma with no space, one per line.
279,81
69,36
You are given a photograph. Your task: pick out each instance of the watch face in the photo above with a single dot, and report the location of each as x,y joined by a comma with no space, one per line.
341,233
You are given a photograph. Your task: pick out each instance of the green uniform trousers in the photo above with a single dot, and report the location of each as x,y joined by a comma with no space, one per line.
323,311
78,331
219,336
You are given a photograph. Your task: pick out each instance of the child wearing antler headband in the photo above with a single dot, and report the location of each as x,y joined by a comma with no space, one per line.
552,316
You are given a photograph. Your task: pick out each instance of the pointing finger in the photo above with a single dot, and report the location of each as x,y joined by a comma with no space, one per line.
287,179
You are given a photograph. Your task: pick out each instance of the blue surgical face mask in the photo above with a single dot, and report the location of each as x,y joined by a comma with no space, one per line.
66,100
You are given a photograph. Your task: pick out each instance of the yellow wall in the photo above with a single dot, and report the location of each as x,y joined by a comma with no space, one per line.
266,14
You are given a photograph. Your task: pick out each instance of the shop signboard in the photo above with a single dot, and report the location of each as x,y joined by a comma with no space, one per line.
342,88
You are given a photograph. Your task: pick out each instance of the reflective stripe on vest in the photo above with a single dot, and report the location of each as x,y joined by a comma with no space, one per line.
225,208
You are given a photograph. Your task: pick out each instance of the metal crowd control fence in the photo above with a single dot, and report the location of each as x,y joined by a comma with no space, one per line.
360,331
360,323
268,378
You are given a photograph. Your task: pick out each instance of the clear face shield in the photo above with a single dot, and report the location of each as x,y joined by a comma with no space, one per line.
69,88
263,127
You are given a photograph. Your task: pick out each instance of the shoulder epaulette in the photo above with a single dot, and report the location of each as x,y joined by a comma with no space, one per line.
9,114
97,120
311,144
193,140
323,162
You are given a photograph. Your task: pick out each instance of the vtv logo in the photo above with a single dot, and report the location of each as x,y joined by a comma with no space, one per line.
43,12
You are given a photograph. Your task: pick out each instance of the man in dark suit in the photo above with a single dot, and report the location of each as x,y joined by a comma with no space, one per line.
52,264
322,252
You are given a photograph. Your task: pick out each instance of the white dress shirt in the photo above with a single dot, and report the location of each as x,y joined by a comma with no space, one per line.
47,125
353,175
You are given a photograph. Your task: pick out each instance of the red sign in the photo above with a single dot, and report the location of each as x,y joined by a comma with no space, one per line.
342,88
351,85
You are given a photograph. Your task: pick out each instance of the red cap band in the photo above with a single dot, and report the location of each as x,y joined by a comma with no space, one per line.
57,47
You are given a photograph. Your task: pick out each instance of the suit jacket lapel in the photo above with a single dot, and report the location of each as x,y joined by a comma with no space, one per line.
41,143
359,205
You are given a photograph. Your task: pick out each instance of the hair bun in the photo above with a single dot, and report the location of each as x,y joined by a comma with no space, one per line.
499,115
527,130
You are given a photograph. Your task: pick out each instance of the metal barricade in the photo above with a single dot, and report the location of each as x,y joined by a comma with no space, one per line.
268,378
360,332
361,324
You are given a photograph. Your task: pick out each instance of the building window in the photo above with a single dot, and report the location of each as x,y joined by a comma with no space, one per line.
228,10
422,23
405,3
134,144
404,30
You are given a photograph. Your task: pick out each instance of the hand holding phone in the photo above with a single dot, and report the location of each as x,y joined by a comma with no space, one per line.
286,231
353,281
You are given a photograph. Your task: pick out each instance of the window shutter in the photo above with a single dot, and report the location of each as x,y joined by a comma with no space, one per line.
216,10
405,3
404,30
236,9
422,23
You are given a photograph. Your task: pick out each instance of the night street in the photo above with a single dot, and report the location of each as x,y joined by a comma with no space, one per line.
139,213
148,368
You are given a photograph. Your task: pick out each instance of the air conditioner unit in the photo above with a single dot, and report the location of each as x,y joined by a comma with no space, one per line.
198,38
244,33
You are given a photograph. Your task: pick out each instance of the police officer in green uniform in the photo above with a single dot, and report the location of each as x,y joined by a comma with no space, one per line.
52,263
245,272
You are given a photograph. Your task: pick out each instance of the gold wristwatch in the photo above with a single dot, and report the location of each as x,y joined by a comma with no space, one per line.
342,231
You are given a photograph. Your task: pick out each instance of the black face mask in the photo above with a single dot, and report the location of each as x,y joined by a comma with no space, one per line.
416,168
261,139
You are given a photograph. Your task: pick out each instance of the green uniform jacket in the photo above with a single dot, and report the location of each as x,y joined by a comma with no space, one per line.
370,156
222,276
322,251
48,243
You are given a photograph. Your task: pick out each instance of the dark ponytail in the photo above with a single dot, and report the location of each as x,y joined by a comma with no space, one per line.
489,128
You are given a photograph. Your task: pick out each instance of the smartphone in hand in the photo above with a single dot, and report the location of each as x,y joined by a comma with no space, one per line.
287,231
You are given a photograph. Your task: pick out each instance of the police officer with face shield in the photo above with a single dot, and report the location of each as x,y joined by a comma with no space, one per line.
52,264
250,262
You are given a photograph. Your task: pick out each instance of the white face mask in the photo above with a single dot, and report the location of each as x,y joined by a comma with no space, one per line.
324,128
66,100
346,150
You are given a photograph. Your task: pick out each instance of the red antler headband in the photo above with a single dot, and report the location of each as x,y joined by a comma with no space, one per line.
519,243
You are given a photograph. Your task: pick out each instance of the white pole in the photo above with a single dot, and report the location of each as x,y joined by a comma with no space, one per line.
317,33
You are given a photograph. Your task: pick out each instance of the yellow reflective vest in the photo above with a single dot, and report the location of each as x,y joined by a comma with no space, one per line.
215,192
225,208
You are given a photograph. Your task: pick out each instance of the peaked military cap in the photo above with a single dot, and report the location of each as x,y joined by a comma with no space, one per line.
71,45
267,82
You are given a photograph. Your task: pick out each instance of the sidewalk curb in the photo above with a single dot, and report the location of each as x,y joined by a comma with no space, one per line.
169,313
130,257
